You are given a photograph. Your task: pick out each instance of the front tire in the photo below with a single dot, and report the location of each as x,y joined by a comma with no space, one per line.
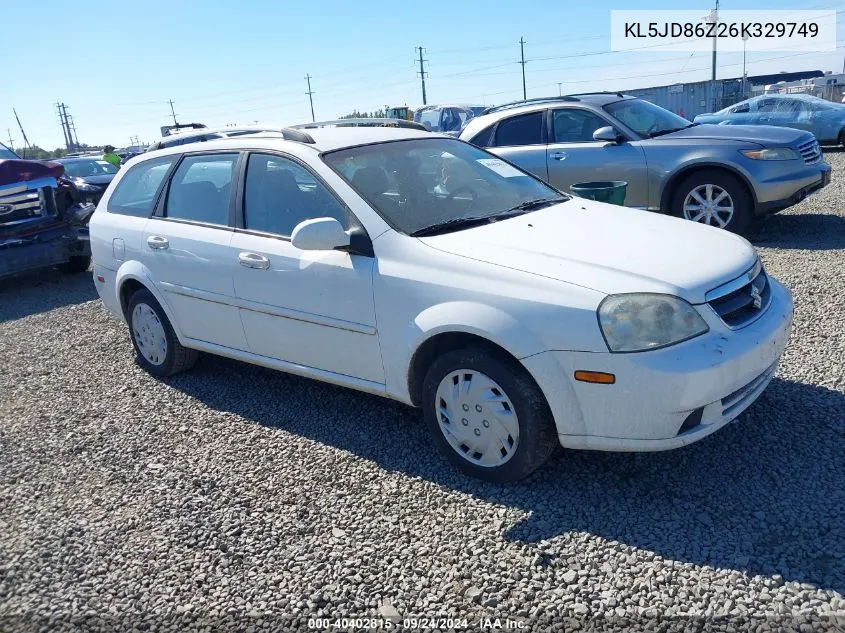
157,349
487,415
713,197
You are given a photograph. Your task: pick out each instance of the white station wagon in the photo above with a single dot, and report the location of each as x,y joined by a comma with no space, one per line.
424,269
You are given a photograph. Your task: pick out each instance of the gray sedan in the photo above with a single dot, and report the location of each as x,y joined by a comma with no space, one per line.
823,119
714,174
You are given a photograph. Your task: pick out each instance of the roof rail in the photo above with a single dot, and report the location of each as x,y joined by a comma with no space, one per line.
597,92
292,134
362,122
516,104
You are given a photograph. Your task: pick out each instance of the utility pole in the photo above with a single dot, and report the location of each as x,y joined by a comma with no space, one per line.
714,18
559,92
72,130
25,140
422,73
744,74
63,122
172,112
310,98
522,61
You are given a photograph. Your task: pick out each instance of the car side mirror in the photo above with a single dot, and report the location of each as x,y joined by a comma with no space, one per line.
319,234
608,134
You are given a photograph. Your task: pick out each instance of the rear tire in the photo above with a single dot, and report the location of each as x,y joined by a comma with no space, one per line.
481,406
76,264
728,204
157,348
842,138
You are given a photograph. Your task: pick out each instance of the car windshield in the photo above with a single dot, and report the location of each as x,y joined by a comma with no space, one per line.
645,118
6,153
417,185
87,168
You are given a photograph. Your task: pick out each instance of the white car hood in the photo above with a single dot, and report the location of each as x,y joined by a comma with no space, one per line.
607,248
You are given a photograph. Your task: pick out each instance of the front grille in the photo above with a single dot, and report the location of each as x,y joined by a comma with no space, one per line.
21,204
810,151
742,300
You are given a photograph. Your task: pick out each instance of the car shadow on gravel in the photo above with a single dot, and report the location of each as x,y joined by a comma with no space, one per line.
43,290
813,231
764,495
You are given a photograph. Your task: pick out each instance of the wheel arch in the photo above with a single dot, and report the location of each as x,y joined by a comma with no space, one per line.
457,325
685,171
134,276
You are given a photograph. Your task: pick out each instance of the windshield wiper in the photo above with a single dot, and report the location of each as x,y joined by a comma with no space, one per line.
452,224
455,224
531,205
671,130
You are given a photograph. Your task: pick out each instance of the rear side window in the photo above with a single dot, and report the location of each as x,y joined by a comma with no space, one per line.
136,192
525,129
200,189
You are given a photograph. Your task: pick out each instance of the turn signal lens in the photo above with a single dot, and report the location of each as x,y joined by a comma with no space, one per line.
598,377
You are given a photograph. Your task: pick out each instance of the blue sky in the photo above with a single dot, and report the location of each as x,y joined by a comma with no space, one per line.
116,64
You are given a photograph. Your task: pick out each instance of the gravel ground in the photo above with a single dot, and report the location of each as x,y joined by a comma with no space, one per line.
237,498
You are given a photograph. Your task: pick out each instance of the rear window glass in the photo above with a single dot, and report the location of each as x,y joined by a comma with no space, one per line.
137,191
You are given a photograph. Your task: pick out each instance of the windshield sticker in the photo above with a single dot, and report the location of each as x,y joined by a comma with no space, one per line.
500,167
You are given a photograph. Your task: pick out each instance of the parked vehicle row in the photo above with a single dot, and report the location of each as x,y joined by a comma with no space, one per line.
428,270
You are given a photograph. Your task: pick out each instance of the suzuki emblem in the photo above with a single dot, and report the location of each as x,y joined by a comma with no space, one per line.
756,297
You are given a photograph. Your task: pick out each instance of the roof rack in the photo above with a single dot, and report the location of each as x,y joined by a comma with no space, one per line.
287,134
516,104
362,122
597,92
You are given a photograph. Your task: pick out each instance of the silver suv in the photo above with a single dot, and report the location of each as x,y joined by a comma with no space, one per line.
717,175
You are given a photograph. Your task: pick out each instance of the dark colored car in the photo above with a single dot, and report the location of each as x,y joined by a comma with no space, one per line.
84,181
35,232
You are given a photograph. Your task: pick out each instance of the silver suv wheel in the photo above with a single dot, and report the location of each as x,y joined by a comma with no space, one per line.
709,204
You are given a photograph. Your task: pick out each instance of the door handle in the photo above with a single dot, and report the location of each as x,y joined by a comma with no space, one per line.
253,260
557,155
157,243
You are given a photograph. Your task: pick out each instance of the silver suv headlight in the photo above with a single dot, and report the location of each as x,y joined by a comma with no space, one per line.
643,321
770,153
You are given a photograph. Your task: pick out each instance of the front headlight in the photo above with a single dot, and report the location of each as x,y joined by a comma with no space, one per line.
84,186
771,153
639,322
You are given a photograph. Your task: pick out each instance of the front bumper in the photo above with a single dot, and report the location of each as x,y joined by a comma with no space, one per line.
715,376
785,191
50,247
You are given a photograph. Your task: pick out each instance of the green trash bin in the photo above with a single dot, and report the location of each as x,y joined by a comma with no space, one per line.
610,191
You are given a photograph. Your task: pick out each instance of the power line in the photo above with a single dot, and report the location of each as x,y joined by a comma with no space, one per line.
422,73
310,98
674,72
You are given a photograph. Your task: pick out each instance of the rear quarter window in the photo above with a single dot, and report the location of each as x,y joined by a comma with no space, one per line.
137,191
482,139
524,129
